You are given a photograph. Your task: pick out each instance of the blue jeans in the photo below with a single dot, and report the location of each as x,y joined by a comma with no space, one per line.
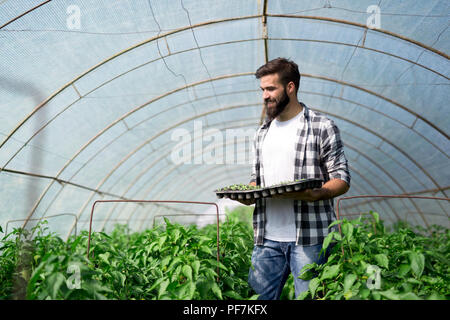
272,263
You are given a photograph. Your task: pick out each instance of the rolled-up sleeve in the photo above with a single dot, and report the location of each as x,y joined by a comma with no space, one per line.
332,153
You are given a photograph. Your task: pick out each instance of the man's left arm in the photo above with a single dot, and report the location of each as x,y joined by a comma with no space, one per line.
331,189
333,159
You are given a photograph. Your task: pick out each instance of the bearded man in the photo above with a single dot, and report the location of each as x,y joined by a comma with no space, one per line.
295,142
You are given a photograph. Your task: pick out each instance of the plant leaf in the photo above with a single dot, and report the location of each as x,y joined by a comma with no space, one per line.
187,271
216,290
348,281
313,284
382,260
417,261
330,272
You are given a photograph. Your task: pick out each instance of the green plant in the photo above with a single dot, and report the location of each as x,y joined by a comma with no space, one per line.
173,261
166,262
366,262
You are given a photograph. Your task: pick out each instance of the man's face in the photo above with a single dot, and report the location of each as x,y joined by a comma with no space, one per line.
274,95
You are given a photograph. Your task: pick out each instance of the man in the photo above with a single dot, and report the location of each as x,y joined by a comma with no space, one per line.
293,143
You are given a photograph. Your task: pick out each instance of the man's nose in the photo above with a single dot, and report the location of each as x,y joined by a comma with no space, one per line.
265,95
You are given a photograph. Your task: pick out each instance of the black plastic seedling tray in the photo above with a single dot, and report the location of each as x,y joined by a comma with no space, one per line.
268,192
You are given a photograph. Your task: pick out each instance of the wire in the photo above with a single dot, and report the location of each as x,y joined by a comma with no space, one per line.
200,52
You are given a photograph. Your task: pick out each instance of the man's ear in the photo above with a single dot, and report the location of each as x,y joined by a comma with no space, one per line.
291,87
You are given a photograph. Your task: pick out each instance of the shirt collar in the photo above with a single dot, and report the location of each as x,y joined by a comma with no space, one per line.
305,112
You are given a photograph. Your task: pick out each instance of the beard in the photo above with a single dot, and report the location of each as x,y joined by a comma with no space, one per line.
279,107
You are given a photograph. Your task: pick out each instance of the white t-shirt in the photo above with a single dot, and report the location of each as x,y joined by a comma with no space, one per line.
278,159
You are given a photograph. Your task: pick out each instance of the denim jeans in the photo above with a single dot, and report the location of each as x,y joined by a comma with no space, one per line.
272,263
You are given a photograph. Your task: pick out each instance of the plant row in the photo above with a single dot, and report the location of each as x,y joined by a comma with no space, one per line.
368,263
166,262
180,262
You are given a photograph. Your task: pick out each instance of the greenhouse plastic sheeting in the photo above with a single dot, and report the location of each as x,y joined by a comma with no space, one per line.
158,100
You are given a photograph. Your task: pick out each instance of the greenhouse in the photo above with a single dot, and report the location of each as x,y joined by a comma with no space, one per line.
120,120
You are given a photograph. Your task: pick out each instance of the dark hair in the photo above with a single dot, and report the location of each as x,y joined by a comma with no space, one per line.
286,69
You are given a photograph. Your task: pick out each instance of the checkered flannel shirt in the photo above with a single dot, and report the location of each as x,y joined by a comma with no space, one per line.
319,154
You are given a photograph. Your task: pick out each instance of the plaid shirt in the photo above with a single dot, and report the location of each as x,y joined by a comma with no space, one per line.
319,154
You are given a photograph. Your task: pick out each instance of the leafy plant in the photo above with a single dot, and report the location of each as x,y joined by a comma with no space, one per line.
366,262
166,262
173,261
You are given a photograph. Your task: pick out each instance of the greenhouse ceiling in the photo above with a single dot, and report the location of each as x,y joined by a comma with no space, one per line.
157,100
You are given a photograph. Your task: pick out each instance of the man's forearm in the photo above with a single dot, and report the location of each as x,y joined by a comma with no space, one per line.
331,189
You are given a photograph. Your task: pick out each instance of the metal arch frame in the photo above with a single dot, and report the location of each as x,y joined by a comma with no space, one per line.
146,142
394,146
166,95
372,132
172,169
146,194
173,107
158,210
263,16
388,174
210,80
378,112
129,155
345,22
320,94
235,121
142,173
350,147
208,186
281,39
112,141
23,14
176,192
101,132
161,191
379,167
359,25
305,75
145,171
50,216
